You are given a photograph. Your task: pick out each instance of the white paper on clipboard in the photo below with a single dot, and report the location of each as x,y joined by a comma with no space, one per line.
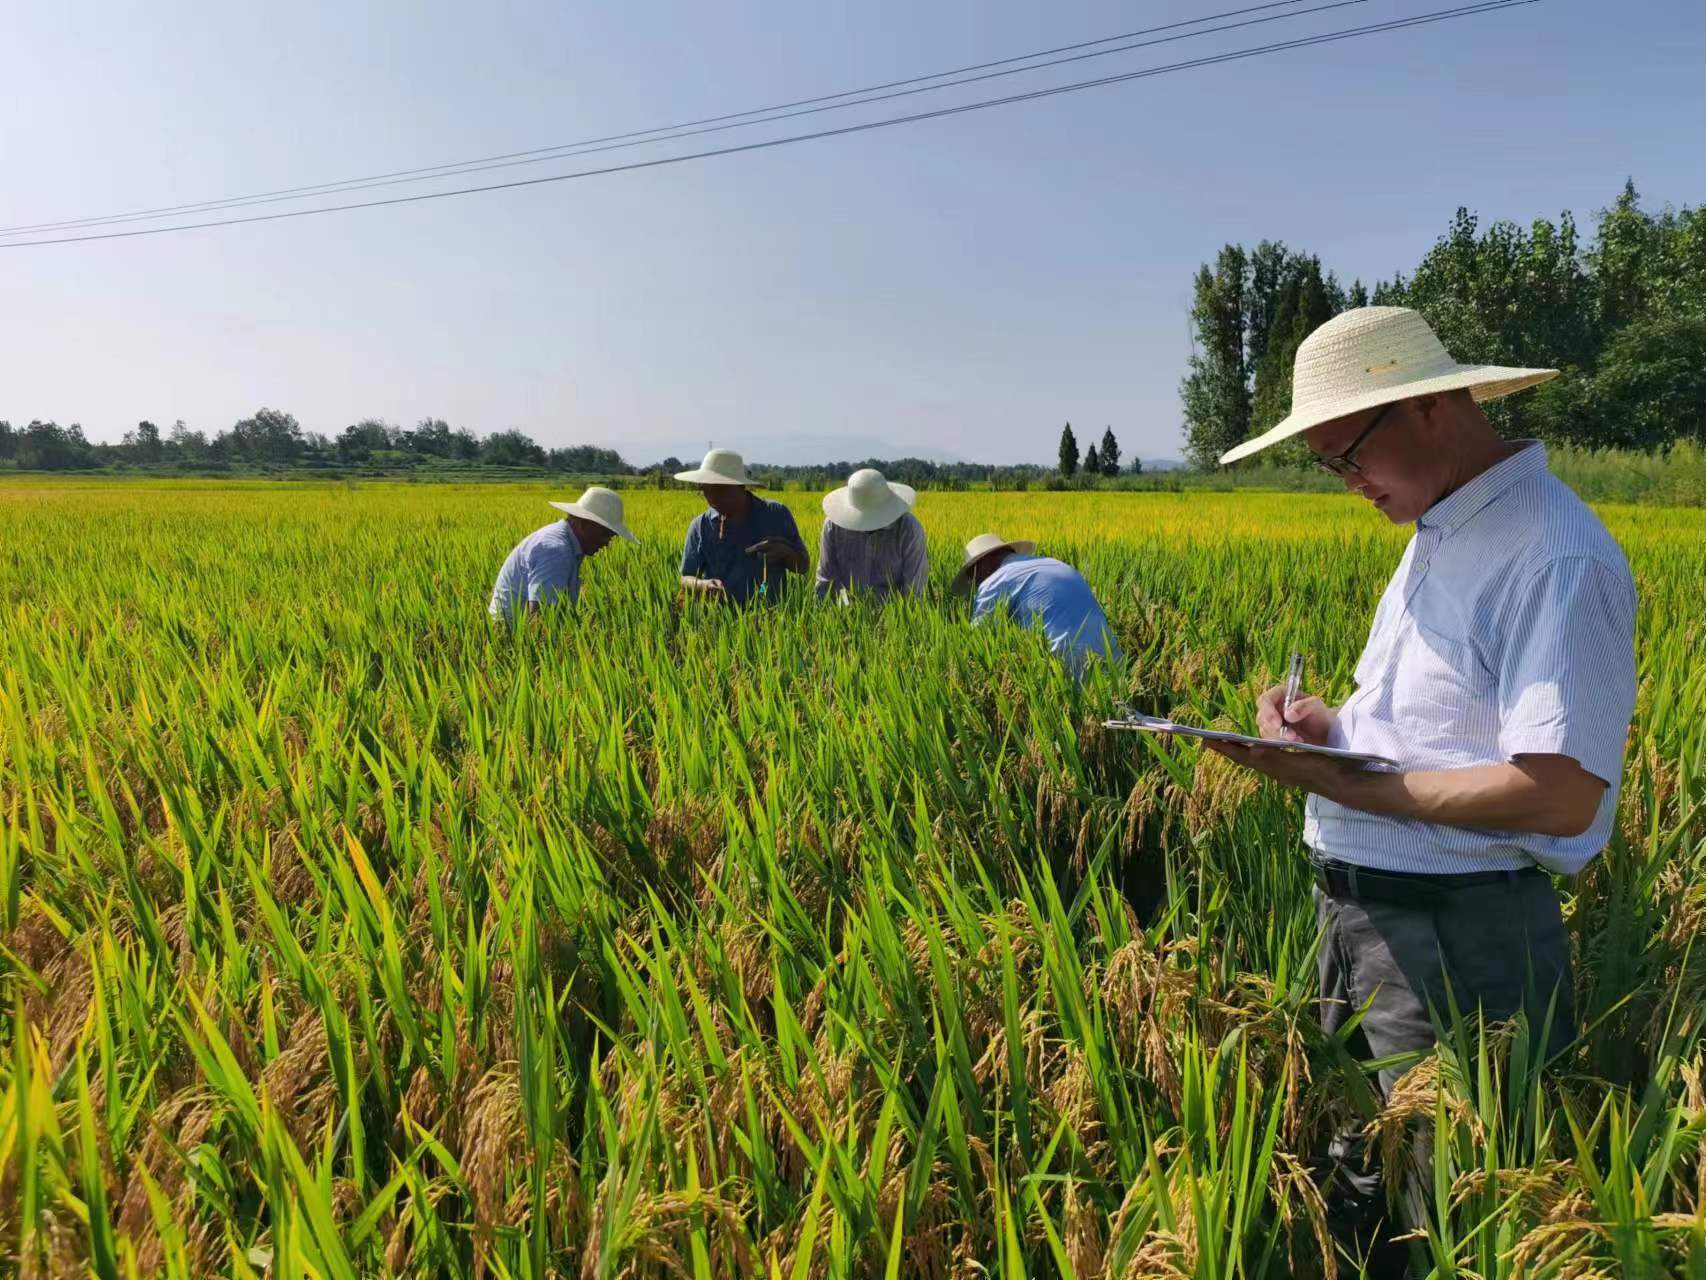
1151,724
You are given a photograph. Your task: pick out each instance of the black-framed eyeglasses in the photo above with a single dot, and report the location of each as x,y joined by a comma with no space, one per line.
1344,464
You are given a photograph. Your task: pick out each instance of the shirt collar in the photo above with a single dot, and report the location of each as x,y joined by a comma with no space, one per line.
710,515
1454,510
1006,564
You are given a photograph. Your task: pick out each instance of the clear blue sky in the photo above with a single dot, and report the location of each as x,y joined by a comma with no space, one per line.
960,286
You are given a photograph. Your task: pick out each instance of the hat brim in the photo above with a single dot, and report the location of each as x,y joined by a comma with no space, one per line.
838,507
701,476
575,509
1484,382
962,580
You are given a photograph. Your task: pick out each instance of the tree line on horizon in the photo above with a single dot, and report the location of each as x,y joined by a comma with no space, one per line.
272,440
1623,318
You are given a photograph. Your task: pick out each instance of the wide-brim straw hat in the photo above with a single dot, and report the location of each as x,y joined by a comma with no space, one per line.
867,502
601,506
721,466
1372,356
981,546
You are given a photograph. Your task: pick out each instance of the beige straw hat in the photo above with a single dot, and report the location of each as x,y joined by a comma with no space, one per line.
1370,356
867,502
981,546
721,466
601,506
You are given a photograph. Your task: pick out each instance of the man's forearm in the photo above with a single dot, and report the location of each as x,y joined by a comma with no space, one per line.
1500,797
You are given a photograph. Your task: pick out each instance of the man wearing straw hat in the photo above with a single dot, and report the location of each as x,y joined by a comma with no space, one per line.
546,565
871,540
743,546
1499,672
1011,579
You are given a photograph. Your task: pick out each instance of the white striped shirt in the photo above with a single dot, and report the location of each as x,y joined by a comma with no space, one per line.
1508,629
887,561
545,564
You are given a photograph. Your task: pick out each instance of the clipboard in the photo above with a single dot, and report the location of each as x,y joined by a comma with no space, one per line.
1152,724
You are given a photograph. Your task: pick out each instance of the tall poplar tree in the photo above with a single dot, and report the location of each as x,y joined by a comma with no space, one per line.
1110,453
1068,452
1216,390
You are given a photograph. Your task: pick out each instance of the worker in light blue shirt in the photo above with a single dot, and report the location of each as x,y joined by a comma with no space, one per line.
1010,578
545,566
1499,674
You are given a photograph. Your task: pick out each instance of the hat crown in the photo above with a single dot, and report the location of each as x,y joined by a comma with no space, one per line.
1364,350
867,489
724,462
604,504
983,545
1372,356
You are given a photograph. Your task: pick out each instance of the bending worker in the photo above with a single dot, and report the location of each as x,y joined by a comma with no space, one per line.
743,545
1499,672
546,564
871,540
1010,578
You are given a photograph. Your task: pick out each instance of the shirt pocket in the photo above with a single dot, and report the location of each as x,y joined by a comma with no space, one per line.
1443,697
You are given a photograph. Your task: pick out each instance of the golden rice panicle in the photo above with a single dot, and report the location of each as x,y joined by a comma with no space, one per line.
343,933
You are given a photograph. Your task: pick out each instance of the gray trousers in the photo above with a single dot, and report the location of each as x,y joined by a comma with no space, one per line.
1500,946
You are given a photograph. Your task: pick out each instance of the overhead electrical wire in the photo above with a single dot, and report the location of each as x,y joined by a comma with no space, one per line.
539,155
586,149
1397,24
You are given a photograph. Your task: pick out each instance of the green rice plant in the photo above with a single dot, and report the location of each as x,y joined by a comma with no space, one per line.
342,933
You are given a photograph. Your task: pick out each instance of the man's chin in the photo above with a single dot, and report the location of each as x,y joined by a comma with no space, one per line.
1390,509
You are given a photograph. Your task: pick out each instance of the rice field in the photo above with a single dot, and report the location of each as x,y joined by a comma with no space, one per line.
343,935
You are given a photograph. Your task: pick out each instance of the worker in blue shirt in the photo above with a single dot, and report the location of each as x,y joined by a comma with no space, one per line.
545,566
1010,577
743,546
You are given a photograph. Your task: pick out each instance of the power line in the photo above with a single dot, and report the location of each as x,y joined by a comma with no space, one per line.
700,127
1441,15
637,137
585,149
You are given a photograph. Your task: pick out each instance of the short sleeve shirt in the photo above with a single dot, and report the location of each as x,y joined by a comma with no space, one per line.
716,548
544,567
1039,591
1507,630
891,560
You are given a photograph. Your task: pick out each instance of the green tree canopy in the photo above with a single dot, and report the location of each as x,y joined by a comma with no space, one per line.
1110,453
1216,390
1620,318
1068,451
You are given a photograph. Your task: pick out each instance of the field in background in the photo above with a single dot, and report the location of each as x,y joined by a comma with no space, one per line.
343,935
1674,477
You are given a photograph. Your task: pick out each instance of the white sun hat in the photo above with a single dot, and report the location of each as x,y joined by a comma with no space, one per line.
981,546
601,506
867,502
1370,356
721,466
